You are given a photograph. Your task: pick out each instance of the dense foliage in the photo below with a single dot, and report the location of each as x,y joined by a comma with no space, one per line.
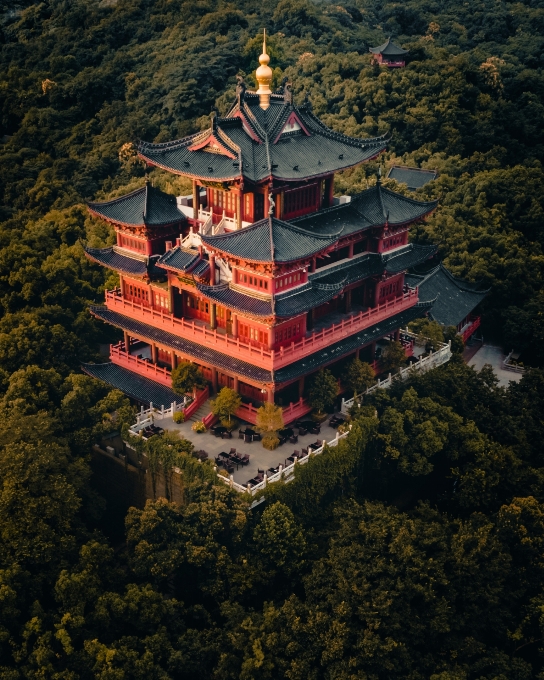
414,549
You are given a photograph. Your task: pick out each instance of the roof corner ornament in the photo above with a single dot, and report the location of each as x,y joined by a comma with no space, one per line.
271,205
241,88
379,175
288,93
281,88
213,118
264,77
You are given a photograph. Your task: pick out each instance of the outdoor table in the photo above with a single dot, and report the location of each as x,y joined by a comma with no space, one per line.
286,432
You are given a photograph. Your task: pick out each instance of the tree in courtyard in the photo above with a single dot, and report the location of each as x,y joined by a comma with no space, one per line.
187,377
269,421
323,390
358,376
457,344
393,356
429,333
226,404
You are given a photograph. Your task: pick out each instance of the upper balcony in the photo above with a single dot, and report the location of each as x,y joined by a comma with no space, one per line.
265,358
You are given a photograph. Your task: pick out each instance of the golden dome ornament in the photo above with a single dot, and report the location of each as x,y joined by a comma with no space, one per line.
263,76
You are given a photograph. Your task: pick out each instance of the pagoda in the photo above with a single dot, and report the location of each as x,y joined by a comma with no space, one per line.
389,54
261,277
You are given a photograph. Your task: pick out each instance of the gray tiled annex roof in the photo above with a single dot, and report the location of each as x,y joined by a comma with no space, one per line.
113,259
414,178
144,390
322,285
147,206
271,240
409,256
389,49
179,259
243,368
250,135
455,298
371,208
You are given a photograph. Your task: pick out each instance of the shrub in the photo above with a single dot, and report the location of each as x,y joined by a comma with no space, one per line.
271,442
198,426
179,417
230,423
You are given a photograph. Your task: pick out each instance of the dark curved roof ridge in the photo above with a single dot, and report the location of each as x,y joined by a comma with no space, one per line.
462,284
391,47
354,141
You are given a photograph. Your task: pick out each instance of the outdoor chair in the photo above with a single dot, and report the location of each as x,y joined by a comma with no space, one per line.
315,430
260,472
304,452
226,435
256,437
232,452
229,468
302,431
293,438
245,459
248,438
240,434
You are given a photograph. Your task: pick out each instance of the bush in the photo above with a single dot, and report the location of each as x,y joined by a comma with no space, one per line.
230,423
179,417
271,442
198,426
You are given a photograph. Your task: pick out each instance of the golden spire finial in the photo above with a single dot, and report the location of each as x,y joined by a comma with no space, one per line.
264,77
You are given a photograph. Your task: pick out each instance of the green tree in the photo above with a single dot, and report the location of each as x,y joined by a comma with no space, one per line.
358,376
187,378
226,404
269,421
280,540
393,356
429,333
323,390
451,335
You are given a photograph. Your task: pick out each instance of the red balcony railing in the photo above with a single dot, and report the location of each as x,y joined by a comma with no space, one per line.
474,324
139,366
296,410
271,359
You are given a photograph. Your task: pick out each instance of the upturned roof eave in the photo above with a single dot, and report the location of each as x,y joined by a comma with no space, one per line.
186,173
141,225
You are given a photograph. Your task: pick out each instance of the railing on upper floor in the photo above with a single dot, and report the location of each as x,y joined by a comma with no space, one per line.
266,358
147,369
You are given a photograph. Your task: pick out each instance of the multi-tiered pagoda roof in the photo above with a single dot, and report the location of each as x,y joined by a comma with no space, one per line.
283,142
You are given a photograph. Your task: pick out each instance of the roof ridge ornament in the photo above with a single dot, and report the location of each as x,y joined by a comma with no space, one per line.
241,88
264,77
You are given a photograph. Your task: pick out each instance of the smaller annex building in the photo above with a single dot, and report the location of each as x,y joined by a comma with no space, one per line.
389,54
455,300
414,178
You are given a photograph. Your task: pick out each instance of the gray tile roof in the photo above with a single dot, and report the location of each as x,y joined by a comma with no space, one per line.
414,178
455,298
251,136
389,49
245,369
147,206
179,259
271,240
371,208
113,259
144,390
322,286
410,255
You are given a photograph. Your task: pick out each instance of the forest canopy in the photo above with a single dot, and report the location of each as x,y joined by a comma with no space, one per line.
414,549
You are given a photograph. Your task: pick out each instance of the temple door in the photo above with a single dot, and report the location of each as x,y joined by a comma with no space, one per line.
229,322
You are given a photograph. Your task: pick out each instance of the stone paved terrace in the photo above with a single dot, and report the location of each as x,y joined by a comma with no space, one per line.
490,354
260,458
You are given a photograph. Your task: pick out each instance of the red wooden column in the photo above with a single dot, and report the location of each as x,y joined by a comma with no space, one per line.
270,395
214,379
212,269
127,342
196,200
235,385
301,387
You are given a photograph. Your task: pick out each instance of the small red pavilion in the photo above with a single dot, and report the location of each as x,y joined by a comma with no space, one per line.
389,54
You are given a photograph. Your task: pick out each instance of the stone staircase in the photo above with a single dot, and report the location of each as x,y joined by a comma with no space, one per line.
201,412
